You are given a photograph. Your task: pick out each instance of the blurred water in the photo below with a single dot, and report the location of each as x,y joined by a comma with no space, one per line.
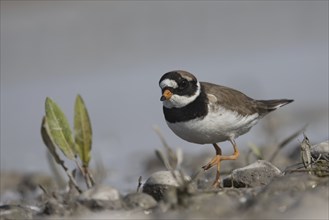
113,54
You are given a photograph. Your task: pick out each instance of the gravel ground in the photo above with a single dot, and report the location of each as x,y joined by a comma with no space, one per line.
256,190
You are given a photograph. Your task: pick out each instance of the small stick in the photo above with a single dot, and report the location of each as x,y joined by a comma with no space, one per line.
139,183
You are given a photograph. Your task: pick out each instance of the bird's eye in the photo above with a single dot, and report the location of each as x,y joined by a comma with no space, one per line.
183,84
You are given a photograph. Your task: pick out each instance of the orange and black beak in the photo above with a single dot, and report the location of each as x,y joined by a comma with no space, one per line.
166,95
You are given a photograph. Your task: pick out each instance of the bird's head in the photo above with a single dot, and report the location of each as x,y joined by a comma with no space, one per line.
179,88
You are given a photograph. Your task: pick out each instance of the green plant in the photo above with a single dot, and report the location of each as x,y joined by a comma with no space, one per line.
57,134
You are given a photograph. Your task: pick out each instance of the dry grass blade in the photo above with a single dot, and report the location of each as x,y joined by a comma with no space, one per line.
139,184
163,159
286,141
172,158
60,180
305,153
255,151
99,170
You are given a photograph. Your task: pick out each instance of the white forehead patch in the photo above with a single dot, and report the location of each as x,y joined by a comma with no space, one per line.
168,83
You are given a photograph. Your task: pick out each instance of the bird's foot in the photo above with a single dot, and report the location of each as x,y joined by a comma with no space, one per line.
217,184
214,161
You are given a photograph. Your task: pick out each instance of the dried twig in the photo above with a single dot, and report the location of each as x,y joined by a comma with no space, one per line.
305,153
286,141
172,157
139,184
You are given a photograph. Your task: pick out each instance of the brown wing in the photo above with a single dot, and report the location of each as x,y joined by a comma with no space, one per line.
237,101
231,99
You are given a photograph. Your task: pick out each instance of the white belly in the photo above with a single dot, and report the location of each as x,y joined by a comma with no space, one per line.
215,127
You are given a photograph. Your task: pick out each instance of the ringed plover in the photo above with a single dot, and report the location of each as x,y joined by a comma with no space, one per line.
206,113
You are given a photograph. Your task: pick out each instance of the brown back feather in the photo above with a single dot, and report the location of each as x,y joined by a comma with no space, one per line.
235,100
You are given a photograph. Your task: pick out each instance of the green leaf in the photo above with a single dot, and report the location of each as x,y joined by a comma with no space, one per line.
48,141
83,131
59,129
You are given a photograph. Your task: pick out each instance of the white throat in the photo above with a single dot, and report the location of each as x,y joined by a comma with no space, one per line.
177,101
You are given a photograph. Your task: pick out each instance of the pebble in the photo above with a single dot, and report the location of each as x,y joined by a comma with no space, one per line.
291,196
258,173
18,211
101,197
139,200
320,150
270,194
161,182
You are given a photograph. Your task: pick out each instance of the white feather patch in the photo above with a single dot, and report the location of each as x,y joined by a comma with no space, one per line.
178,101
217,126
168,83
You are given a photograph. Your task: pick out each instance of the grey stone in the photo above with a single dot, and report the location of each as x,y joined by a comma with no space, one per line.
55,207
139,200
18,211
256,174
213,204
101,193
320,150
320,159
297,196
161,182
101,197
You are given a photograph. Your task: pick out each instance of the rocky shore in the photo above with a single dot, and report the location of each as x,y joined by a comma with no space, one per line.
257,190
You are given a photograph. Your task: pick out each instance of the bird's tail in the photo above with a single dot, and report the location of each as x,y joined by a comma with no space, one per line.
270,105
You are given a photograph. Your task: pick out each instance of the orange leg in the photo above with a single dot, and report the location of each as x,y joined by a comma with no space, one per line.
218,158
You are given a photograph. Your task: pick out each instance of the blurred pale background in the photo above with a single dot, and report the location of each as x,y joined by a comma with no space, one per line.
113,53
